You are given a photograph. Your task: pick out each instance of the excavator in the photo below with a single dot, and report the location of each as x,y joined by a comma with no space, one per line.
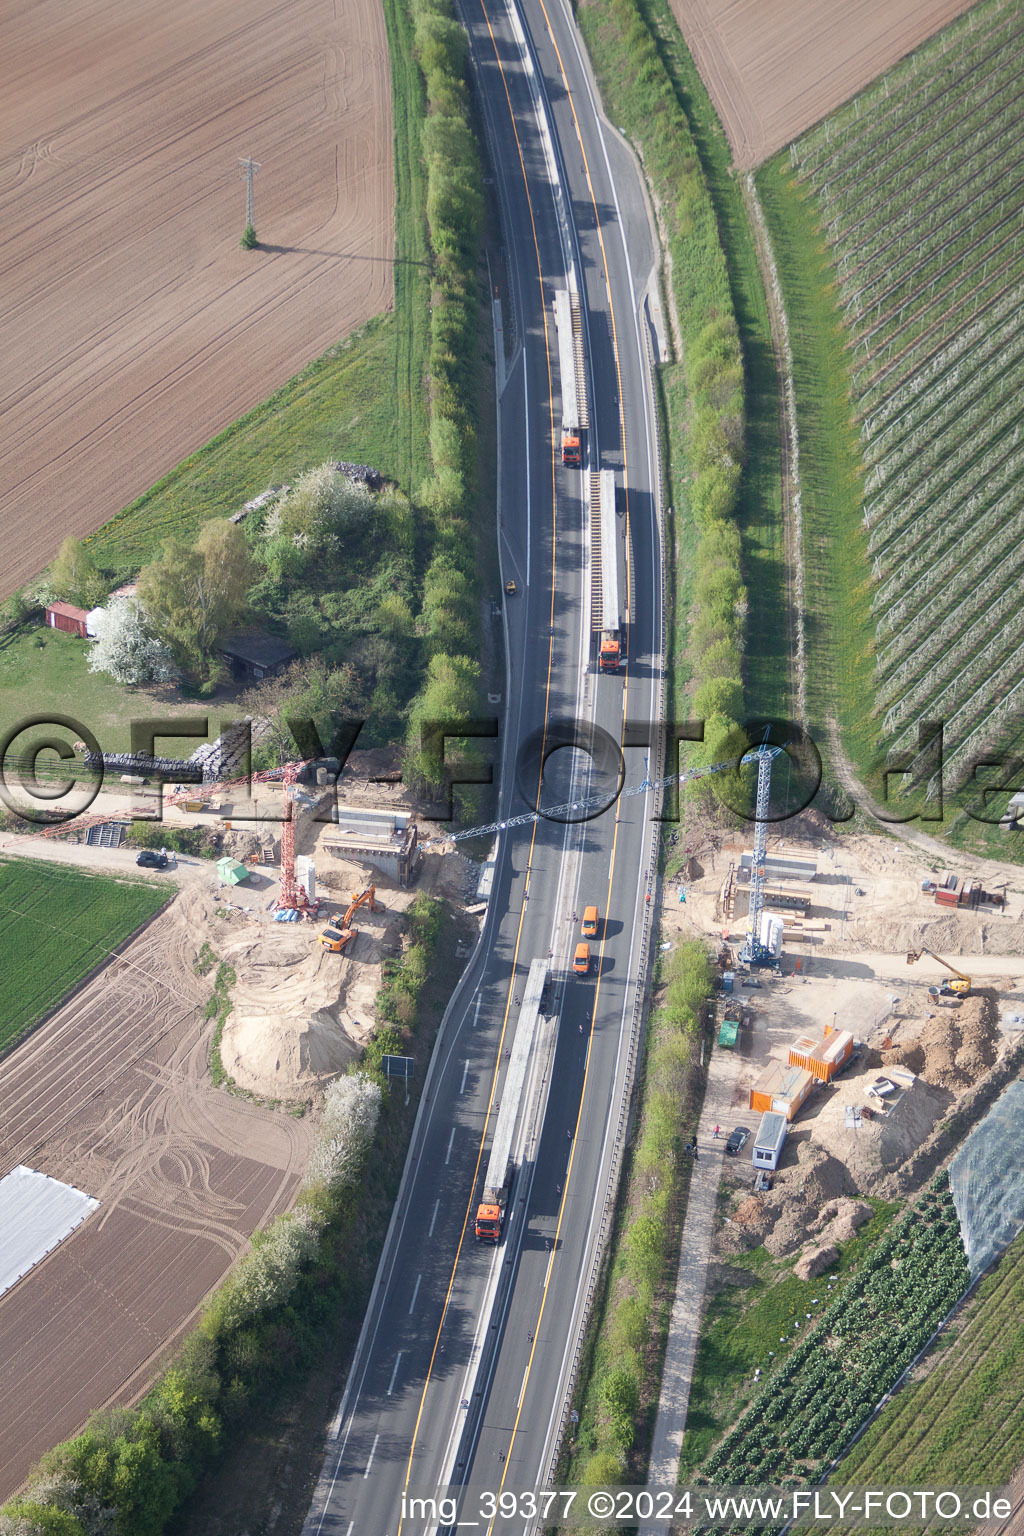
959,986
339,933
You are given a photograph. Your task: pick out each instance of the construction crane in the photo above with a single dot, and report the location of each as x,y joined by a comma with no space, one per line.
961,984
754,952
567,810
293,897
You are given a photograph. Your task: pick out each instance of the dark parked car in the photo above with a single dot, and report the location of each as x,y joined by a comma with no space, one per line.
150,859
737,1141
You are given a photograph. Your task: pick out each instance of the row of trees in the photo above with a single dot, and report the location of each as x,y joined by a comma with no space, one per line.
449,619
622,1357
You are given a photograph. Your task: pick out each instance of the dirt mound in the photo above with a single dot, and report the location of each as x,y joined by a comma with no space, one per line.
838,1220
814,1262
790,1230
818,1175
749,1213
953,933
954,1048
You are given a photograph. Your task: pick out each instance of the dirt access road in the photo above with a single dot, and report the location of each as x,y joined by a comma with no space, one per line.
135,328
112,1094
775,67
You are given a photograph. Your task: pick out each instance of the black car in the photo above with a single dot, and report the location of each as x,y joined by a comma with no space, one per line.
737,1141
150,859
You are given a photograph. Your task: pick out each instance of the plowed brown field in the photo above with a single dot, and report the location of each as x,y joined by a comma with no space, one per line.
112,1095
134,327
775,67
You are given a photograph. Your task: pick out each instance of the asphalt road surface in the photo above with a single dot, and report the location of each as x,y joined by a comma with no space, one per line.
463,1372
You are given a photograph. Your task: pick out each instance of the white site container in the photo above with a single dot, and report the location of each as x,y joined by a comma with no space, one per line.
771,1134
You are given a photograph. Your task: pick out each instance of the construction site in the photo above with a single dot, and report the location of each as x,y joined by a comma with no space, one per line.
872,1025
306,902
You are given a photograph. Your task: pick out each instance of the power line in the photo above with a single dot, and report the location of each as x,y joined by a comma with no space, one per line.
249,169
562,812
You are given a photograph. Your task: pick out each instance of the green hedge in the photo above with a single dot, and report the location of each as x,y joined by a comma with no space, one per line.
622,1380
455,211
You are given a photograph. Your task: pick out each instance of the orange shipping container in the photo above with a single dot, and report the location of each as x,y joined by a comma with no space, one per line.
822,1055
781,1089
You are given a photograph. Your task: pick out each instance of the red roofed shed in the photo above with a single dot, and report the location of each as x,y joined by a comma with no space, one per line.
67,617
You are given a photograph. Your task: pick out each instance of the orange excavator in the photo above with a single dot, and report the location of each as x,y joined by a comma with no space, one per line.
339,933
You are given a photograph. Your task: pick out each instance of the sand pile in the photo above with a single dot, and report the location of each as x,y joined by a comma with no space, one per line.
954,1048
287,1058
818,1176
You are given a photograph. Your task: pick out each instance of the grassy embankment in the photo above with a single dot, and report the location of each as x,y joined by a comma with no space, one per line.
840,637
56,925
622,1365
767,668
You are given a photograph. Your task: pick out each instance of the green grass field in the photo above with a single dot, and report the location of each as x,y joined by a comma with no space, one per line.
54,678
840,635
56,924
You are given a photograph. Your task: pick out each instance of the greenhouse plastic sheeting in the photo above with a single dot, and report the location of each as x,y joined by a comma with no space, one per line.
36,1213
987,1180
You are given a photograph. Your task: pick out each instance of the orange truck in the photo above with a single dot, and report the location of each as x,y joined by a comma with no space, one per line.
501,1167
581,960
572,376
590,922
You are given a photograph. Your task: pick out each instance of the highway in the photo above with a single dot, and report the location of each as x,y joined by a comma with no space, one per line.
463,1372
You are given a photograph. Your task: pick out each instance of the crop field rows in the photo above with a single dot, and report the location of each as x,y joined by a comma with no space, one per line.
919,186
55,926
112,1094
966,1416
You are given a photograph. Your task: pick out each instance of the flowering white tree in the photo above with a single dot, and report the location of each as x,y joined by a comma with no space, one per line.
126,649
349,1120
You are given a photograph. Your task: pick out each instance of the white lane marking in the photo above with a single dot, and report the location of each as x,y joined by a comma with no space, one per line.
465,1074
351,1526
448,1154
415,1293
394,1373
476,1010
526,440
430,1229
369,1464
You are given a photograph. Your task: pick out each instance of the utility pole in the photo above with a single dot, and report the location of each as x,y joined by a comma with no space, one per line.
249,169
